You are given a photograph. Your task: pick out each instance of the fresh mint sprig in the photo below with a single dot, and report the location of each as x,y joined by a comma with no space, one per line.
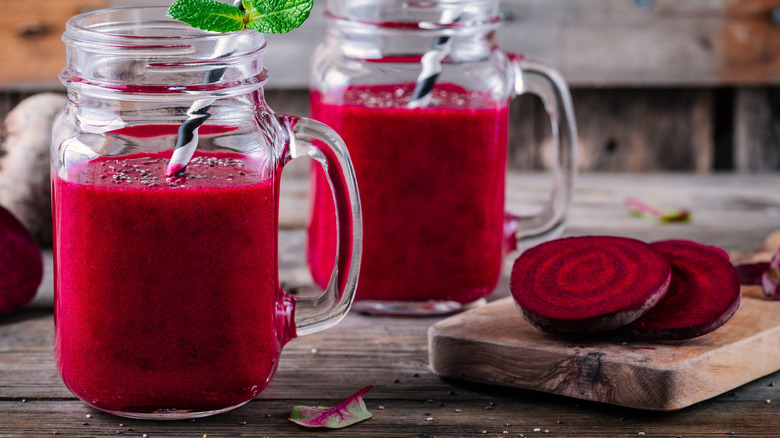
267,16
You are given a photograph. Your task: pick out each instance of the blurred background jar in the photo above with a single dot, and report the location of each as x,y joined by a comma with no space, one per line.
420,92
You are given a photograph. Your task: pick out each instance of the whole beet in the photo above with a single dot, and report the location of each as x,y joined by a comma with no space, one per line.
25,185
21,264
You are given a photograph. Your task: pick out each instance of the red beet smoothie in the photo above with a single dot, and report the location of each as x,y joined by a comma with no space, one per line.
432,190
166,291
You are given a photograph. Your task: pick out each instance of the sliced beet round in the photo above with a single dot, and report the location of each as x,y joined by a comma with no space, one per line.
21,264
717,250
703,295
587,285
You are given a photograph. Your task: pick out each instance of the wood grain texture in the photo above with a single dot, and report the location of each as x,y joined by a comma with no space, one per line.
620,130
625,130
757,130
32,51
494,344
732,211
666,42
593,42
519,413
388,353
612,42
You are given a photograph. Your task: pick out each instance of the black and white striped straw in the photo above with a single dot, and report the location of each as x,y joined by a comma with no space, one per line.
432,65
187,141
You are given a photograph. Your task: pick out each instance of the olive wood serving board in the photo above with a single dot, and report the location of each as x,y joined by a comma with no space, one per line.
494,344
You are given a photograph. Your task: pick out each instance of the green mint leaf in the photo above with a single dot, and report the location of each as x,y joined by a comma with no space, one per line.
208,15
276,16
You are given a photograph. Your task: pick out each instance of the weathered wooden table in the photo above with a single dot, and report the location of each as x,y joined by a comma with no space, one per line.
408,400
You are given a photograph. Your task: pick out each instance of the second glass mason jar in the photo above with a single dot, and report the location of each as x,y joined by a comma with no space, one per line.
420,92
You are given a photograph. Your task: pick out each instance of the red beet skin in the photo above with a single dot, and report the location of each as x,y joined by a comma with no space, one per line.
691,243
587,285
21,264
703,295
770,279
750,274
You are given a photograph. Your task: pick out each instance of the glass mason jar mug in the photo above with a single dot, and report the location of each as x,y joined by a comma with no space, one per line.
420,91
168,302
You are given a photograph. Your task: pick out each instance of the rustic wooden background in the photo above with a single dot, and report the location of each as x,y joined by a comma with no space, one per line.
658,85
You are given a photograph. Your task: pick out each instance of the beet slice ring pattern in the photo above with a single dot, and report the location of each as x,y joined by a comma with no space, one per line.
587,285
703,295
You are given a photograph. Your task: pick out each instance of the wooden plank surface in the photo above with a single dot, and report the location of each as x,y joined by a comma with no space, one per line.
519,413
593,42
692,42
735,212
32,50
598,43
623,130
494,344
620,130
368,350
757,129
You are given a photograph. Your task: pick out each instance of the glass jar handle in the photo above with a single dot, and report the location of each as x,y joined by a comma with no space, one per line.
534,77
312,139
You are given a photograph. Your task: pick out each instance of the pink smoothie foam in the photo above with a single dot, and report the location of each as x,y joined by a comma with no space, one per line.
166,290
431,182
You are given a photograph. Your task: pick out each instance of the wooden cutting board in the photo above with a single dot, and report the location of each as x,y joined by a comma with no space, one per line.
494,344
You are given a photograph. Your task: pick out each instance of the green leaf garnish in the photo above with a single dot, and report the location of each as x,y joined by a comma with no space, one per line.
277,16
267,16
656,213
352,410
208,15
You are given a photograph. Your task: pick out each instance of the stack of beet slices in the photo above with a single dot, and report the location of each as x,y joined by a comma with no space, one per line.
669,290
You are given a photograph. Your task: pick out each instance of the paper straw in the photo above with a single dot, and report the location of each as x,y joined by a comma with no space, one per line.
432,65
187,141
